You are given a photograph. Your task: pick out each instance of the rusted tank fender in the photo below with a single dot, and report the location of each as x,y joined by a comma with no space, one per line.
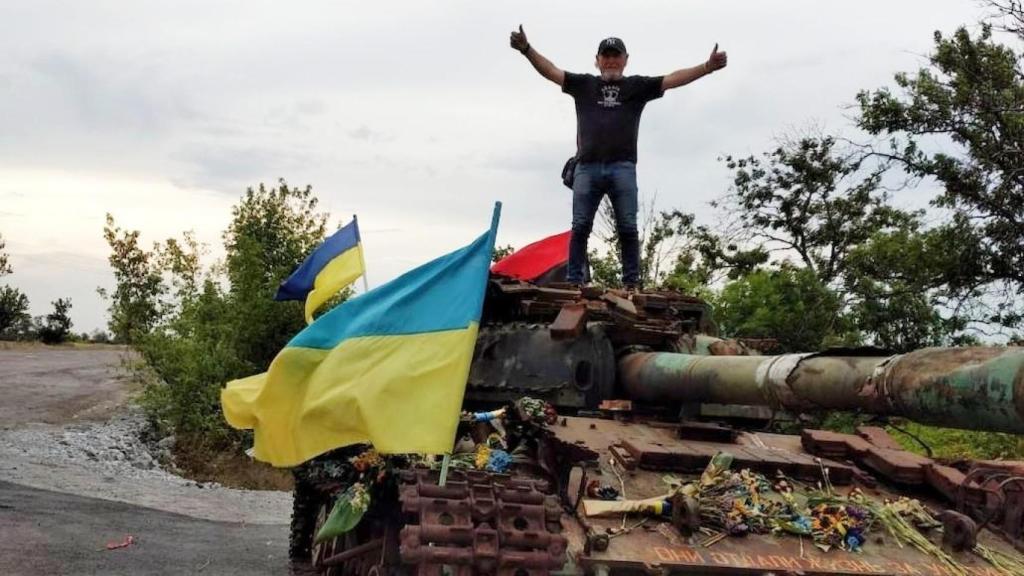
978,388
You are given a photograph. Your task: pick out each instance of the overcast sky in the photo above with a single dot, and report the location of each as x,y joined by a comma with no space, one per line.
416,116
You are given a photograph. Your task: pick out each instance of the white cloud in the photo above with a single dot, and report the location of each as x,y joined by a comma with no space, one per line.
415,115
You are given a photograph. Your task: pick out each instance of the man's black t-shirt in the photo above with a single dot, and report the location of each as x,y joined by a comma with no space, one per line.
608,114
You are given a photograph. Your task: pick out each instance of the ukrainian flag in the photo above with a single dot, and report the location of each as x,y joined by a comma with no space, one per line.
333,265
388,367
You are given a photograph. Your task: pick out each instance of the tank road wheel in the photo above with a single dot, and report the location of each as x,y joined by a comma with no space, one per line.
304,510
354,566
324,550
368,546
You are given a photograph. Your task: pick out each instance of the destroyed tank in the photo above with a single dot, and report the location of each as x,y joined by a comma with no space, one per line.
634,440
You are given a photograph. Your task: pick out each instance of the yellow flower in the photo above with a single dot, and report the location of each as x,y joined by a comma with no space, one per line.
483,454
367,460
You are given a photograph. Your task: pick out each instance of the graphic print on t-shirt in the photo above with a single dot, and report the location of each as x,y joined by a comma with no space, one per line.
610,93
608,114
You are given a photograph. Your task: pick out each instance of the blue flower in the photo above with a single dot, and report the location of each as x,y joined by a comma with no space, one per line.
804,523
499,461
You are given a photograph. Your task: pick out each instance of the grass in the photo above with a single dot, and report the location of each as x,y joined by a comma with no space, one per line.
946,443
231,468
951,444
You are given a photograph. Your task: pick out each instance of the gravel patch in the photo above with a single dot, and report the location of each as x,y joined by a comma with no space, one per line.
112,460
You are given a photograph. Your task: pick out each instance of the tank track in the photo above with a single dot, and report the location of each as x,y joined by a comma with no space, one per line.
480,523
305,501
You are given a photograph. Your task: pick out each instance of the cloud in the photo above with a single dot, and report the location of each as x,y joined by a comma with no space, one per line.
231,168
414,118
536,157
364,133
112,96
311,107
297,116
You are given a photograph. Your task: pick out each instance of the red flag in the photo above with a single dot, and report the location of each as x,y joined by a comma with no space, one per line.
533,260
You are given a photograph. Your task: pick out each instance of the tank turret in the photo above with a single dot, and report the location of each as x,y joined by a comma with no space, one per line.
576,349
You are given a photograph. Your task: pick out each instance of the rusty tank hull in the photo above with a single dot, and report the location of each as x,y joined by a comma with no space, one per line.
585,492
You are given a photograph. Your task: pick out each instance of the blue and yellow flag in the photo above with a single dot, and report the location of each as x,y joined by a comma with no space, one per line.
388,367
332,266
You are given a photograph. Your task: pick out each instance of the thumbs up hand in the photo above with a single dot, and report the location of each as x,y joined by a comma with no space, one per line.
717,60
518,40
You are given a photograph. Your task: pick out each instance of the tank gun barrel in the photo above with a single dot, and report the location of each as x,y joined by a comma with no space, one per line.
974,388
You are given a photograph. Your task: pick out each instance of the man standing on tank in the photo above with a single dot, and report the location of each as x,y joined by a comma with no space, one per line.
608,109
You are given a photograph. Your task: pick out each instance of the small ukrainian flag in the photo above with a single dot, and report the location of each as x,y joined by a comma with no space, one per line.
332,266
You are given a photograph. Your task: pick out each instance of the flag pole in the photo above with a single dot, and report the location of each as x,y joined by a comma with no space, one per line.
362,258
495,217
446,460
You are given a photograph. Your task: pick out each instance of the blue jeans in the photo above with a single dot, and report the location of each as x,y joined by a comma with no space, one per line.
592,181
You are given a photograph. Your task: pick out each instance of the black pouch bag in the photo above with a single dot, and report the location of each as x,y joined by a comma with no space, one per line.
569,172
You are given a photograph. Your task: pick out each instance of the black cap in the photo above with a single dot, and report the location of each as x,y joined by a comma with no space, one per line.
612,43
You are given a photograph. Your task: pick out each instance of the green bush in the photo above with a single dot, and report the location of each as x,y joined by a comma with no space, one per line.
56,328
214,325
790,305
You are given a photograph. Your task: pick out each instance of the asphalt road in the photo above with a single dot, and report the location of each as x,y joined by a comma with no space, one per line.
43,532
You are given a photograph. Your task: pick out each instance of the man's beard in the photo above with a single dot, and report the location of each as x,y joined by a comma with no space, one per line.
611,75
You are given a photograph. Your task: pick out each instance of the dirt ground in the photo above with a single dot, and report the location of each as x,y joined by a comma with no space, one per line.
58,385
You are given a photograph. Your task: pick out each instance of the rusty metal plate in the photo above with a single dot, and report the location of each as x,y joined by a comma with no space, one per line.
570,322
834,444
878,436
897,465
657,547
659,448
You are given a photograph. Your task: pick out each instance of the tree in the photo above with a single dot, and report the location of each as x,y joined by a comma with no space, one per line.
675,252
960,121
826,210
221,324
5,267
810,200
135,306
57,326
790,305
13,303
13,309
709,259
271,232
180,260
1007,16
501,252
657,233
899,283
